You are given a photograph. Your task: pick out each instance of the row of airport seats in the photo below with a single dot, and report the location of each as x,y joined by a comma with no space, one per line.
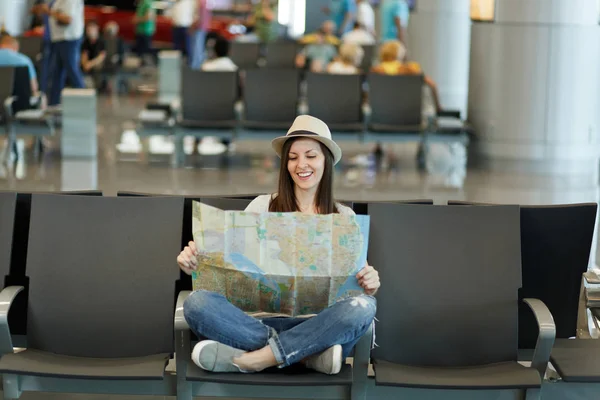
22,112
281,54
261,103
95,279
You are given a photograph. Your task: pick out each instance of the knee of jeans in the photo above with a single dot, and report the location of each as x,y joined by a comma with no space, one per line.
198,303
359,311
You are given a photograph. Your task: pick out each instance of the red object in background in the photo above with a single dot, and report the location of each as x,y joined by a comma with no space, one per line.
164,28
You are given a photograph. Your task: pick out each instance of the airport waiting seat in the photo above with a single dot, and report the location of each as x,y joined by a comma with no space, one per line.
270,99
31,47
17,318
362,207
25,113
396,104
8,208
449,321
281,54
367,61
7,78
555,250
208,100
101,298
244,55
336,99
294,382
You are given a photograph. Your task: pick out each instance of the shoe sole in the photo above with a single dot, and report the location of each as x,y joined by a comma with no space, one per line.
337,360
198,349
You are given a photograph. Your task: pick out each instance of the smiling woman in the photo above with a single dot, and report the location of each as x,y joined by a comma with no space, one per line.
239,342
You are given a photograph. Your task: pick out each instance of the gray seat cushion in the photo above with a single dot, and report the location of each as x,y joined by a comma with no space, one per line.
41,363
295,375
508,375
577,360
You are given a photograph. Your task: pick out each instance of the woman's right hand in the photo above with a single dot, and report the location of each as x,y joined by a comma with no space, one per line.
188,258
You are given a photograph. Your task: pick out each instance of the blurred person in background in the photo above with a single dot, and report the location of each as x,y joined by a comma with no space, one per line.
343,13
317,54
199,30
221,62
349,59
93,53
365,15
395,15
145,27
359,35
390,56
45,66
326,31
181,15
264,20
10,57
66,33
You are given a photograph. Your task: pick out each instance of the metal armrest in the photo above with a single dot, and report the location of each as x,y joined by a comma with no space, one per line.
8,104
546,335
180,322
7,296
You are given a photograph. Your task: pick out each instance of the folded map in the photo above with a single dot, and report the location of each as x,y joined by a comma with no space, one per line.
285,263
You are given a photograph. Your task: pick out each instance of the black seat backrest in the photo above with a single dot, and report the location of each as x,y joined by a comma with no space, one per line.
7,79
281,54
367,61
555,252
208,96
335,98
18,256
362,208
22,90
395,99
31,47
450,278
271,95
244,55
102,275
8,209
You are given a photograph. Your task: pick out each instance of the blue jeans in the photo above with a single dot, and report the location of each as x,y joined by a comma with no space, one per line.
181,40
197,49
143,46
212,316
46,67
66,56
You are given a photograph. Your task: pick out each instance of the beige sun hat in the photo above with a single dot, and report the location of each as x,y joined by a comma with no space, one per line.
310,127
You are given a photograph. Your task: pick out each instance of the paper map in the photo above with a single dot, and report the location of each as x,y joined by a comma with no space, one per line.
284,263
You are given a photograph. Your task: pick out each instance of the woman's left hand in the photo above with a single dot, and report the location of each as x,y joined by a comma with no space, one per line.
368,279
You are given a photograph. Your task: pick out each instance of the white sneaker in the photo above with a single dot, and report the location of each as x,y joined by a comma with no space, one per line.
215,357
328,362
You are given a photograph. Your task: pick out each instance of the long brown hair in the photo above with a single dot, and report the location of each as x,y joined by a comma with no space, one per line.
286,198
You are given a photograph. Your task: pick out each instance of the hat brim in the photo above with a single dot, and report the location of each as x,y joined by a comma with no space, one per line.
278,143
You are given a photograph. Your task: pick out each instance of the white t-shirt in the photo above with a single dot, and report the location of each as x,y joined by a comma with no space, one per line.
366,16
183,13
360,37
73,31
339,68
261,205
219,64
